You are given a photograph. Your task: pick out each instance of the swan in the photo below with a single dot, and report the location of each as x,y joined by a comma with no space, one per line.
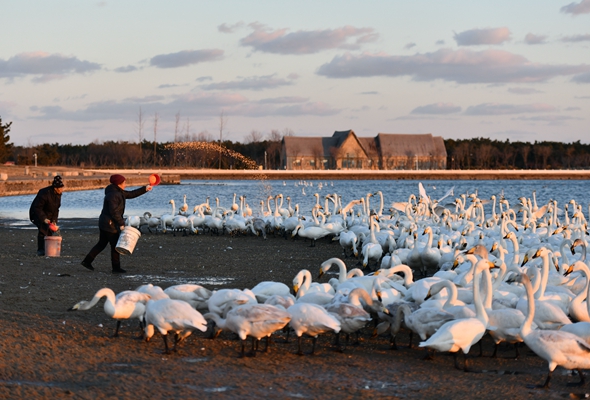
254,320
312,320
152,222
463,333
184,208
581,328
556,347
372,250
125,305
172,315
155,292
429,256
352,315
451,304
311,232
266,289
196,295
220,299
308,292
549,314
166,219
348,241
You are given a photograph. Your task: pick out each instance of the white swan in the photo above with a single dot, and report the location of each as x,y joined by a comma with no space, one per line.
429,256
266,289
463,333
172,315
312,320
253,320
125,305
196,295
556,347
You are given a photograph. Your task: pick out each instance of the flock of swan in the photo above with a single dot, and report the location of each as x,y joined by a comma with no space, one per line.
518,274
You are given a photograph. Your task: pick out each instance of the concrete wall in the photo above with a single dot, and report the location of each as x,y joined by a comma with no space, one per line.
18,187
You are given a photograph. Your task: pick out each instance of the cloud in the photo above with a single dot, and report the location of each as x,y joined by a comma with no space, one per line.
461,66
185,58
250,83
576,38
409,45
572,109
370,92
535,39
204,78
582,78
475,37
307,42
437,108
170,85
583,7
506,109
523,91
440,43
145,99
129,68
44,66
194,105
284,99
225,28
311,108
547,118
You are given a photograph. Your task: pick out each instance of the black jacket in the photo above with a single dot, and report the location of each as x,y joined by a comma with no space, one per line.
45,206
113,208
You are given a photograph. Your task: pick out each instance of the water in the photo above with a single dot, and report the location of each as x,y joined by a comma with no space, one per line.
87,204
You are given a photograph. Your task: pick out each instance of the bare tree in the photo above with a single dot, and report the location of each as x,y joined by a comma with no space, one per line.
525,151
461,154
543,152
288,132
484,155
253,137
275,136
187,128
139,129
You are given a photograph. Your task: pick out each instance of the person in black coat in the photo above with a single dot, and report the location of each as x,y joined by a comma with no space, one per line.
111,222
44,211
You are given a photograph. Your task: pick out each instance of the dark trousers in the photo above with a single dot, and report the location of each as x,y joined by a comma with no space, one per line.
104,239
42,232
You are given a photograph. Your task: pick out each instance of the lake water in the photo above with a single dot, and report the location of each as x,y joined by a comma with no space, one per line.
87,204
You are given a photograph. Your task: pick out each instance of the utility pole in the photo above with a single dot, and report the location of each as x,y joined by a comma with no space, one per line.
155,131
265,163
222,122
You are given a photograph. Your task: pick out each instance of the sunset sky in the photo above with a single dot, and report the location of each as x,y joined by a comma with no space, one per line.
79,71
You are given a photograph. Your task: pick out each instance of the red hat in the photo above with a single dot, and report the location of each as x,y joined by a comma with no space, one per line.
117,179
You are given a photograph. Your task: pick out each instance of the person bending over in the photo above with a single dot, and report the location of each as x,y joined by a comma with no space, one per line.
45,210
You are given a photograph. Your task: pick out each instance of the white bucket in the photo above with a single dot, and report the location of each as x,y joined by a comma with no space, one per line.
128,240
52,246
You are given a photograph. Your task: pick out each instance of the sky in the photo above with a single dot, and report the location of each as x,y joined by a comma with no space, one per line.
86,71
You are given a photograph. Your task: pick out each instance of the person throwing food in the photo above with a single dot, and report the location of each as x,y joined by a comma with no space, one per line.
44,211
111,222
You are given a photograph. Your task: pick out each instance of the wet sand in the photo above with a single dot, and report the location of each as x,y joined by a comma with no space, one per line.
48,352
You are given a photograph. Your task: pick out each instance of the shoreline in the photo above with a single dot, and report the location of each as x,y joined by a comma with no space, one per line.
28,180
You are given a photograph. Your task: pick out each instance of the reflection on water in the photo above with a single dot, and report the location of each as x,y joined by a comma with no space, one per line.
87,204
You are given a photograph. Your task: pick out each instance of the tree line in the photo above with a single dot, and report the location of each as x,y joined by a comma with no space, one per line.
265,150
482,153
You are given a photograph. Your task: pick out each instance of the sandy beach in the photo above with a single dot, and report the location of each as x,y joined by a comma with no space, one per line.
48,352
